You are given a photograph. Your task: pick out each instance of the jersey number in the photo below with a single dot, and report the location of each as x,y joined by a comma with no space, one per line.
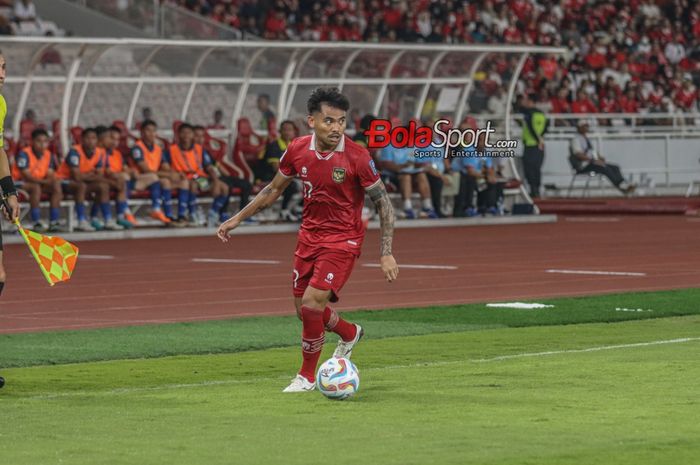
307,188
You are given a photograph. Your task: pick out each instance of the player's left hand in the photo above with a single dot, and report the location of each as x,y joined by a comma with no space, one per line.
13,214
226,227
389,267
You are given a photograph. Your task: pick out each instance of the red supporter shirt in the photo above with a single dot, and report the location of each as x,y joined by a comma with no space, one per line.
334,191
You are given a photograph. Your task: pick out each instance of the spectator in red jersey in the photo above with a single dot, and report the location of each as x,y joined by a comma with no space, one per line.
232,18
629,102
276,26
582,104
560,103
686,97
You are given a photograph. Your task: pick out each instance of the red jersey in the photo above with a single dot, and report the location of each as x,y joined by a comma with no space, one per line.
334,186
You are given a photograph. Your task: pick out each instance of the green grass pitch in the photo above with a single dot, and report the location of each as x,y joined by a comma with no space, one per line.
548,386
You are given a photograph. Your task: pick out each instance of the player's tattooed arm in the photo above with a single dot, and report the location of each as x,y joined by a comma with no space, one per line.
380,198
264,199
377,193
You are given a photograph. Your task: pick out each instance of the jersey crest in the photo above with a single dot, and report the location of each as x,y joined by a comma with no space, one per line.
338,175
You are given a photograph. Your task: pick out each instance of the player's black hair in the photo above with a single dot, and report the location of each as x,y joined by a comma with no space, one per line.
184,126
197,127
88,130
39,132
148,122
264,97
331,96
99,130
115,129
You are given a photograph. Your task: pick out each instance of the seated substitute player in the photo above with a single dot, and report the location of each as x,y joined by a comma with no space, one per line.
117,173
153,172
436,167
85,164
194,163
271,162
401,162
35,168
336,173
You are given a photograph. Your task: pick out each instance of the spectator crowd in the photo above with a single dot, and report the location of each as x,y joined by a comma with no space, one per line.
623,56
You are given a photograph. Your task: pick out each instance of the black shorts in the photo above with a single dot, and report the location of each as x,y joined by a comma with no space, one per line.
0,237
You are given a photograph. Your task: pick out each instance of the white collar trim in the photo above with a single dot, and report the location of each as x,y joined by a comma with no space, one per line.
338,148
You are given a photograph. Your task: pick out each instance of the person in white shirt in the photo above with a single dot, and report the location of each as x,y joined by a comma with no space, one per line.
25,10
584,158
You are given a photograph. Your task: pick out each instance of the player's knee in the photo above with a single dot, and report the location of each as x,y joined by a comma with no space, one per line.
315,298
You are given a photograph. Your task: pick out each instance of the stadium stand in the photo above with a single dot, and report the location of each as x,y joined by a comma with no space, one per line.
22,18
626,57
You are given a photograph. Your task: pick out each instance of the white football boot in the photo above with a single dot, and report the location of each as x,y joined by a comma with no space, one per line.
300,384
344,349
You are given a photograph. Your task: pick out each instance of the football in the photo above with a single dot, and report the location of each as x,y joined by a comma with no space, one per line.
338,378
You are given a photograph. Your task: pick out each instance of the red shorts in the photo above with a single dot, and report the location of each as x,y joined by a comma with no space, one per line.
324,269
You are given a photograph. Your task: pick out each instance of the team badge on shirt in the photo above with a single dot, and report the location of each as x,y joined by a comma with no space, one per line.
338,175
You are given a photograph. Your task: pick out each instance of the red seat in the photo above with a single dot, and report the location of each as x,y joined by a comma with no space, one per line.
176,126
76,133
55,143
247,149
215,146
125,137
26,127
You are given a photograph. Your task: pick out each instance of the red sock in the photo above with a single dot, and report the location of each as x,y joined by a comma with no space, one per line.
312,339
333,322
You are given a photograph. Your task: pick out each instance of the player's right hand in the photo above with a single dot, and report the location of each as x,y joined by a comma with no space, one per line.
226,227
389,268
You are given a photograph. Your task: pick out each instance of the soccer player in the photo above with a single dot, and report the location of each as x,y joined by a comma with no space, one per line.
153,172
35,166
116,173
193,163
7,187
220,190
335,173
85,164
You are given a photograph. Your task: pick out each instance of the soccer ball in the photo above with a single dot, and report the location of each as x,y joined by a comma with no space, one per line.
338,378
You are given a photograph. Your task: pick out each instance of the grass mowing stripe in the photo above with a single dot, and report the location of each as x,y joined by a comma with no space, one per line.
371,369
244,334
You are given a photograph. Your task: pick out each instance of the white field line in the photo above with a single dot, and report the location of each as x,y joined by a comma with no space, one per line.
236,260
592,219
377,369
96,257
417,267
603,273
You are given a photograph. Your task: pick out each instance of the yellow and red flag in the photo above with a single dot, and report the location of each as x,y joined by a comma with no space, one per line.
56,257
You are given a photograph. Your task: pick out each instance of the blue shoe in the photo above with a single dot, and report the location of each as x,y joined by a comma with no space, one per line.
471,212
125,223
493,211
430,213
97,224
410,214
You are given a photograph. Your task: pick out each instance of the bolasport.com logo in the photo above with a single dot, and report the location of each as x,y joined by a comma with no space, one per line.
439,140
